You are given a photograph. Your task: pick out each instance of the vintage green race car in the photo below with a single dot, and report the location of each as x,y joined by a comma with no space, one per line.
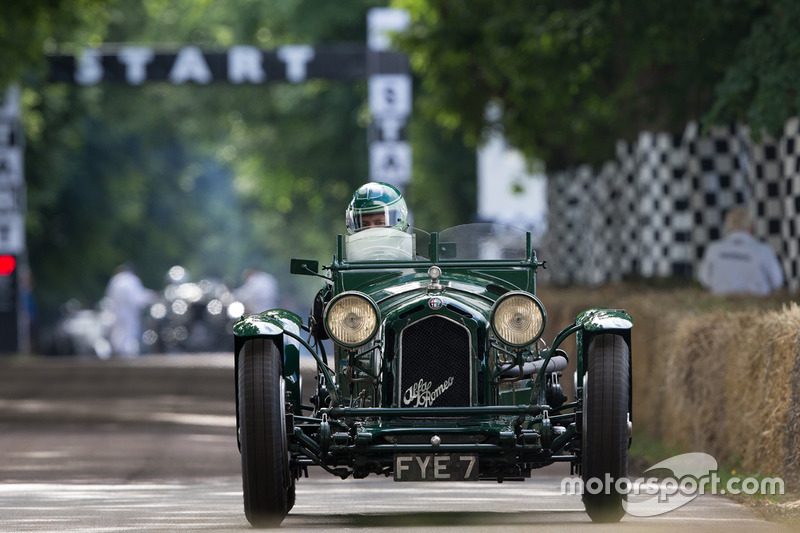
437,372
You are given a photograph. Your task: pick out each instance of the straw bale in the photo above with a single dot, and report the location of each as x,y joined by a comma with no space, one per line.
758,388
729,387
718,375
694,384
791,463
650,351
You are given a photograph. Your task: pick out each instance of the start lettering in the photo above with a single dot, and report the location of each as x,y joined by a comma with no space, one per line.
244,64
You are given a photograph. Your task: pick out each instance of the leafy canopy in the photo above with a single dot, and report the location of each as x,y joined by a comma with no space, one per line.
31,28
573,77
216,178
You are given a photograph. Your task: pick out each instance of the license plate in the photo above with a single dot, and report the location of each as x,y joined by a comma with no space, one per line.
431,467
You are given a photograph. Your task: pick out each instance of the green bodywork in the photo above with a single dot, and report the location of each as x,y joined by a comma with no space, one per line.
361,427
284,327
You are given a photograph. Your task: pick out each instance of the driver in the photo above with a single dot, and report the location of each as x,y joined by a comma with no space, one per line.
376,204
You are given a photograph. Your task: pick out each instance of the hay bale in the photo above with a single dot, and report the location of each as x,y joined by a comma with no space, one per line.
729,388
758,388
695,399
791,462
718,375
650,356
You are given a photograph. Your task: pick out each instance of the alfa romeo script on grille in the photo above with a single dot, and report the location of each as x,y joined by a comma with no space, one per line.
431,467
420,394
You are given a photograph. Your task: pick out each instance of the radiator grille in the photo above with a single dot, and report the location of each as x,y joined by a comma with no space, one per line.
434,362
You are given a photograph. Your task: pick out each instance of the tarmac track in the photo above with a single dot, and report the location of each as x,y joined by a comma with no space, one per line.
149,445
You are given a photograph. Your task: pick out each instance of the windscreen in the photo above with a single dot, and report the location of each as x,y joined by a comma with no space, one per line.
482,241
468,242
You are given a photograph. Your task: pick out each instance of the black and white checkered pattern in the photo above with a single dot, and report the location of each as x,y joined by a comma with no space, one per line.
718,166
624,231
766,182
595,195
563,235
606,225
656,207
578,246
664,219
790,154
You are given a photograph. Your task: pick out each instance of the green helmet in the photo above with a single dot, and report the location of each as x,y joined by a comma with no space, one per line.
372,200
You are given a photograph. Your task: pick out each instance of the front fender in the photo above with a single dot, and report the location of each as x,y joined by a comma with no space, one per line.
597,321
272,324
604,319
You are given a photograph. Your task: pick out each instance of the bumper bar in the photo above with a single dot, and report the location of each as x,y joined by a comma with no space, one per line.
417,412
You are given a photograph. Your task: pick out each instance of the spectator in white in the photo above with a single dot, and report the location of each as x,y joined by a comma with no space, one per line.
128,297
258,293
739,264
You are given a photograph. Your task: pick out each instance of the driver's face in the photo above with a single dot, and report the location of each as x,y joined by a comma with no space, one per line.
373,220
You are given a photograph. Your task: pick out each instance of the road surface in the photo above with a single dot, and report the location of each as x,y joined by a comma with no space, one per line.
148,445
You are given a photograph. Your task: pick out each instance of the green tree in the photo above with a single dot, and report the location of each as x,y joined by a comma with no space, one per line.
760,86
573,77
28,30
215,178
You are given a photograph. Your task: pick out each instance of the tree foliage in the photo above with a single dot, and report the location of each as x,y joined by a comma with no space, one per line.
222,177
760,86
28,30
573,77
216,178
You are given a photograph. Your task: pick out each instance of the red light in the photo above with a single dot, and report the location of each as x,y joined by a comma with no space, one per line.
7,264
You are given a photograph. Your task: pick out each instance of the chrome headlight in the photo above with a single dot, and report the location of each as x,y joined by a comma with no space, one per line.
518,318
351,319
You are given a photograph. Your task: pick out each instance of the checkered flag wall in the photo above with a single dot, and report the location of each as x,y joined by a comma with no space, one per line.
561,242
664,220
765,176
578,247
608,246
717,166
594,194
790,155
624,229
654,209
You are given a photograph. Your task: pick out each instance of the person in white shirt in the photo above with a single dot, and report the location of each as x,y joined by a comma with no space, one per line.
127,297
740,264
259,292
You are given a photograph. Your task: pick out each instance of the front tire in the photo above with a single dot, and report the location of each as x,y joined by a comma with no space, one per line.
266,477
605,426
